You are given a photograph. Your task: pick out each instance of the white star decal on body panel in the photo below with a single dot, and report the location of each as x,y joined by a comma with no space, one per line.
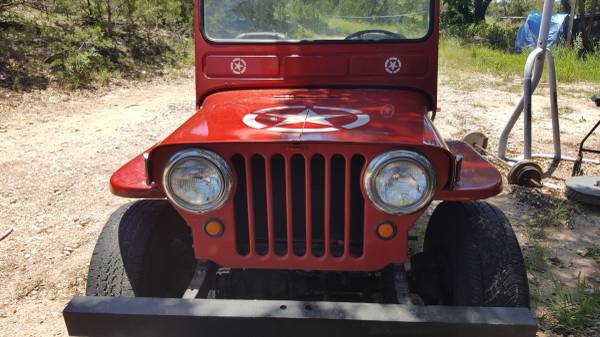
393,65
239,66
308,120
306,116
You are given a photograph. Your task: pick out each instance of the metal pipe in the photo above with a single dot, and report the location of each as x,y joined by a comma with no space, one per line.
545,27
532,60
551,156
538,71
516,114
534,68
554,106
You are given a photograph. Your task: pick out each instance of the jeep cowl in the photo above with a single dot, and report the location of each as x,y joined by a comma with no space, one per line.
286,204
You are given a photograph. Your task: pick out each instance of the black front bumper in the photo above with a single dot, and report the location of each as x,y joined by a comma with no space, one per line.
149,317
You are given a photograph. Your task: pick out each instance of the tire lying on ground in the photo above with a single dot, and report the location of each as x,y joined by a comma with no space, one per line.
471,257
584,189
144,250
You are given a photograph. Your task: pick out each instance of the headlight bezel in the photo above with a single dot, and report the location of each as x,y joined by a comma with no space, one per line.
223,168
378,163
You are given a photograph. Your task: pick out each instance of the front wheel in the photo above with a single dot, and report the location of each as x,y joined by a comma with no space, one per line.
144,250
471,257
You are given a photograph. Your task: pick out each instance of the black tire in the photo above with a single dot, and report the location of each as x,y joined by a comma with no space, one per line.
144,250
475,256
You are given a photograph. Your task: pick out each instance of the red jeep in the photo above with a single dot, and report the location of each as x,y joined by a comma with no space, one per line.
284,205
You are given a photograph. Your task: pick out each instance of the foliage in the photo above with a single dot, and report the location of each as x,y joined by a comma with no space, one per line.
460,12
536,258
593,252
513,8
587,23
492,35
455,54
76,42
572,311
559,216
308,19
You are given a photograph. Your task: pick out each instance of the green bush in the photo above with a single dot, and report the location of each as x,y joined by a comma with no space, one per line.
492,35
78,43
500,37
79,68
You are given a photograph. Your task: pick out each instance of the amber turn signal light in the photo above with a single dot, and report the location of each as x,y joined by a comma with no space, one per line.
214,228
386,231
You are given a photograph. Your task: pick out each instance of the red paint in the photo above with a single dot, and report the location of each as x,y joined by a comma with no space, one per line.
256,66
315,66
279,99
377,253
130,182
478,178
396,116
367,60
412,65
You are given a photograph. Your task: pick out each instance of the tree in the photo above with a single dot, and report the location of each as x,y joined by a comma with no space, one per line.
465,11
587,22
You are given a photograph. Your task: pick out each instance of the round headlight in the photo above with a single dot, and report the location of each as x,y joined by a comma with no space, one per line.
198,181
400,182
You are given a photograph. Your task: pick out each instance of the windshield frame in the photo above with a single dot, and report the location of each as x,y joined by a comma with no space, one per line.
432,23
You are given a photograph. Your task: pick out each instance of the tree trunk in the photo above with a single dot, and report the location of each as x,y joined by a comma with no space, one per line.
480,10
586,26
130,11
109,17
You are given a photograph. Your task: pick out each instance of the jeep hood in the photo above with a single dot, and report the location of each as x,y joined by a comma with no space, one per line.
310,115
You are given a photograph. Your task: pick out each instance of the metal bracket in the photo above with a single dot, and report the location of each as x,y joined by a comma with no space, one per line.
401,285
202,269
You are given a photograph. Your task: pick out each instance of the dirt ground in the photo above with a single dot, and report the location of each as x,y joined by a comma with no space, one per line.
58,151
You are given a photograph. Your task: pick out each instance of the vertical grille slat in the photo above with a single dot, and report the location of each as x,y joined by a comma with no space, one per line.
288,203
357,207
337,188
250,208
317,205
242,225
261,230
347,205
279,205
327,220
299,205
308,203
270,211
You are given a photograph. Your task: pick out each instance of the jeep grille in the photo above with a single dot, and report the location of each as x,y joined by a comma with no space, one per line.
299,205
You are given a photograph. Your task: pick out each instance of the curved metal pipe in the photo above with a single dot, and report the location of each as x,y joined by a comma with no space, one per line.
534,68
535,60
538,71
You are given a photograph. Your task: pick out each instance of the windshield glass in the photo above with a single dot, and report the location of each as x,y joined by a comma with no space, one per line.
315,20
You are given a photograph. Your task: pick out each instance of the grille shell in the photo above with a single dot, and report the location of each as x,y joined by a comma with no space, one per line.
376,254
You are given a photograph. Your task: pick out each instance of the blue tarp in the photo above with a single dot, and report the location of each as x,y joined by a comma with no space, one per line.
530,31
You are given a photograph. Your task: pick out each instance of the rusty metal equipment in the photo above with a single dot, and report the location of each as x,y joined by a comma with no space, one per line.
577,171
585,189
525,170
525,173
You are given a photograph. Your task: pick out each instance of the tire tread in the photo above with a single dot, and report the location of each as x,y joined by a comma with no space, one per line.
483,254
